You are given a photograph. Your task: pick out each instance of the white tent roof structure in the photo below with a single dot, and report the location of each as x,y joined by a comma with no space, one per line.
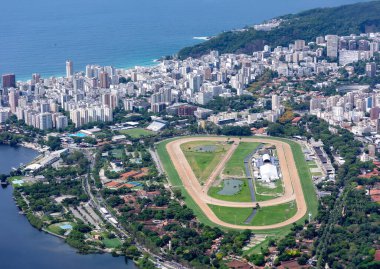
268,172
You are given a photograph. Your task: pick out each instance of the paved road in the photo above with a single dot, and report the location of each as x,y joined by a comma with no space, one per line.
98,202
157,161
292,183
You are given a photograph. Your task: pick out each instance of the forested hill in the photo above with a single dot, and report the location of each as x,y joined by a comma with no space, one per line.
307,25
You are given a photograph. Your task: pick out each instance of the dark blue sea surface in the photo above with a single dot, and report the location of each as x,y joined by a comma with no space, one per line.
39,36
23,247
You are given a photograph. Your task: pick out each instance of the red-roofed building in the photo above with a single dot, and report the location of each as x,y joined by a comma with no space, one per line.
114,185
129,174
296,120
135,174
235,264
292,265
375,195
374,173
377,255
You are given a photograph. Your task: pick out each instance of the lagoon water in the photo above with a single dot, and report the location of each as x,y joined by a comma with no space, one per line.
22,246
14,156
39,36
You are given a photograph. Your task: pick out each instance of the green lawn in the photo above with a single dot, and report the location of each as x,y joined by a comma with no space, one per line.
244,195
264,189
203,163
11,179
136,132
111,243
56,229
264,216
235,165
117,153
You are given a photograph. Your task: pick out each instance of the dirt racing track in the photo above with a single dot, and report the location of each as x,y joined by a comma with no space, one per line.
292,183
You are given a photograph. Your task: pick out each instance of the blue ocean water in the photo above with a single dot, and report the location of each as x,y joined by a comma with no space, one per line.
39,36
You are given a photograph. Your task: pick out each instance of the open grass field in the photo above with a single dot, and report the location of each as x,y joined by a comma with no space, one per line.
56,229
263,189
136,132
112,243
235,165
244,195
264,216
204,162
117,153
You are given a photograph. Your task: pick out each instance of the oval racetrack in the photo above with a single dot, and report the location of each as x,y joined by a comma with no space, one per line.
292,183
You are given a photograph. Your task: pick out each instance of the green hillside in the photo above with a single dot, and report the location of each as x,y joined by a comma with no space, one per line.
307,25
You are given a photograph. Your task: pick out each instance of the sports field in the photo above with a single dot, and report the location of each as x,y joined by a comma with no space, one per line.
136,132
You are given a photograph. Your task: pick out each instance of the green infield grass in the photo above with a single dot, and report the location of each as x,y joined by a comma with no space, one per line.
264,216
235,165
263,189
204,156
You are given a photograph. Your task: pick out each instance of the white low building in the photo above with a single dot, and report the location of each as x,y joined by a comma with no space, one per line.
268,171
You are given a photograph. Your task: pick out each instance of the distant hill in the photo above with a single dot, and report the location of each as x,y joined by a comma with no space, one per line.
307,25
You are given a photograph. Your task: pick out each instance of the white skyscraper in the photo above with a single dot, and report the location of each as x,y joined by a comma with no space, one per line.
275,102
69,69
45,121
332,46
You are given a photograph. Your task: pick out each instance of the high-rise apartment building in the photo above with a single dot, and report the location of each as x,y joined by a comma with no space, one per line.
9,81
46,121
370,69
104,80
275,102
332,46
13,99
69,69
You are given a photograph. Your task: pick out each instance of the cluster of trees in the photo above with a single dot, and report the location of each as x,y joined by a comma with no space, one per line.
348,218
12,139
236,130
284,130
307,25
39,194
54,142
235,103
77,237
349,231
189,244
262,80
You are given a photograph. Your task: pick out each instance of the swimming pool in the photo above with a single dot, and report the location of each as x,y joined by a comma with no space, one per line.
78,134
